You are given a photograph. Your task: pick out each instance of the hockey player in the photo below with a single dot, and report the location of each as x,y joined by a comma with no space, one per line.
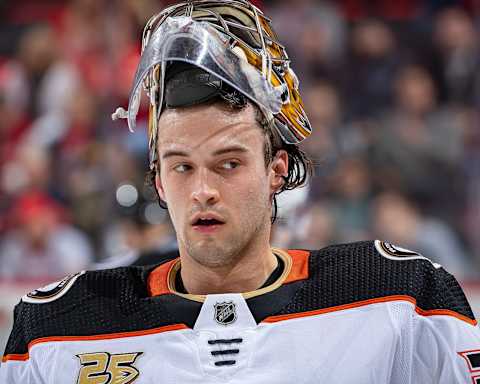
225,121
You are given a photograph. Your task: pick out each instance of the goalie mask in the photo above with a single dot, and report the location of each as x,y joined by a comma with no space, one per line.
201,49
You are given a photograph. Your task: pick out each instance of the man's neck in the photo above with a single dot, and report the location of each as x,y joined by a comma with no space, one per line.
249,272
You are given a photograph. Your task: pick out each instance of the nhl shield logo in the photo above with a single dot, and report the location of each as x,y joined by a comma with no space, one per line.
225,313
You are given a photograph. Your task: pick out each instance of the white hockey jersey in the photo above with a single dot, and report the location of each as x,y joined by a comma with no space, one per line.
362,313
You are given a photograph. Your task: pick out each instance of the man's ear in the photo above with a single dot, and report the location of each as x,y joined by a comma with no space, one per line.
159,187
279,170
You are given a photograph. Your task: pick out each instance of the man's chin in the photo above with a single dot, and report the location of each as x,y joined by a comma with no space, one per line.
207,245
210,252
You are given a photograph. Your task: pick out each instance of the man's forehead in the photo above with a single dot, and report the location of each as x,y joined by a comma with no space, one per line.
238,136
207,127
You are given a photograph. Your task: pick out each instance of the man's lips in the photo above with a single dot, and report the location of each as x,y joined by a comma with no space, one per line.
207,222
206,219
207,229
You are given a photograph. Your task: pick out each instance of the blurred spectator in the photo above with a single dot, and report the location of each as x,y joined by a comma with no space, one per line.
84,42
470,218
323,106
29,169
14,121
350,199
396,220
419,147
457,64
72,128
41,243
373,60
315,36
103,41
39,79
88,186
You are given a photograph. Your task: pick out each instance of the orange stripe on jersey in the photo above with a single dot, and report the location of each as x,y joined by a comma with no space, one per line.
15,357
157,282
299,269
107,336
445,312
422,312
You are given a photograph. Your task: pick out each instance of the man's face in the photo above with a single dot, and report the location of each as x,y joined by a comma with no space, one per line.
215,182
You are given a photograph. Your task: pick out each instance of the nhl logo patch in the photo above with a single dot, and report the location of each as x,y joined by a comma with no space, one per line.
225,313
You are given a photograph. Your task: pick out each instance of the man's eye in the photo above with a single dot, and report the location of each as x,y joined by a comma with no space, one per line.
182,168
230,165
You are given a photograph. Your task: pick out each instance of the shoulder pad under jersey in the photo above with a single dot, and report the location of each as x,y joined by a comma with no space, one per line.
360,273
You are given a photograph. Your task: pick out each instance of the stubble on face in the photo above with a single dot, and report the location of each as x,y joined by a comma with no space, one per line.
217,253
245,205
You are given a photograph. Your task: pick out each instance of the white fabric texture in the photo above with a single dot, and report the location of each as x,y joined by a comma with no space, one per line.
378,343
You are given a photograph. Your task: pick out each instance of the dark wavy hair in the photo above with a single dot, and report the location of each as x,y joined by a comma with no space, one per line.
300,166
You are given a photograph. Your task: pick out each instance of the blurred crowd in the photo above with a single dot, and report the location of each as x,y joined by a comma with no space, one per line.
392,89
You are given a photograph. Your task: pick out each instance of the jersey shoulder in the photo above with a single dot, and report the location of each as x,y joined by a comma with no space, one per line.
78,287
369,271
82,304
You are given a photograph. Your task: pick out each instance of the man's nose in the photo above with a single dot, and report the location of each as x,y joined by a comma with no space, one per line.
204,191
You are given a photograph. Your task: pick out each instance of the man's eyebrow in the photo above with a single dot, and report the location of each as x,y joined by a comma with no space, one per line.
218,152
174,152
233,148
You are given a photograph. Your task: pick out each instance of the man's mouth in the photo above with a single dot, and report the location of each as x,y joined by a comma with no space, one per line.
207,223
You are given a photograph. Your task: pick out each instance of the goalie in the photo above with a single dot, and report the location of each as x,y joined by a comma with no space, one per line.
225,121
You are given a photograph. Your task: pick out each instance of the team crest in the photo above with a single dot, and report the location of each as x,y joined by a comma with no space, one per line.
225,313
106,368
52,291
394,252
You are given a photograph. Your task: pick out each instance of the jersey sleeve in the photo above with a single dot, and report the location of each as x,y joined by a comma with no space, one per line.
36,316
447,350
19,372
446,337
440,339
16,366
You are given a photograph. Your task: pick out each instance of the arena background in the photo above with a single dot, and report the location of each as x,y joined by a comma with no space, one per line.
392,89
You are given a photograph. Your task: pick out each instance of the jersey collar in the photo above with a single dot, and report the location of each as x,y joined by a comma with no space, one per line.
161,280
